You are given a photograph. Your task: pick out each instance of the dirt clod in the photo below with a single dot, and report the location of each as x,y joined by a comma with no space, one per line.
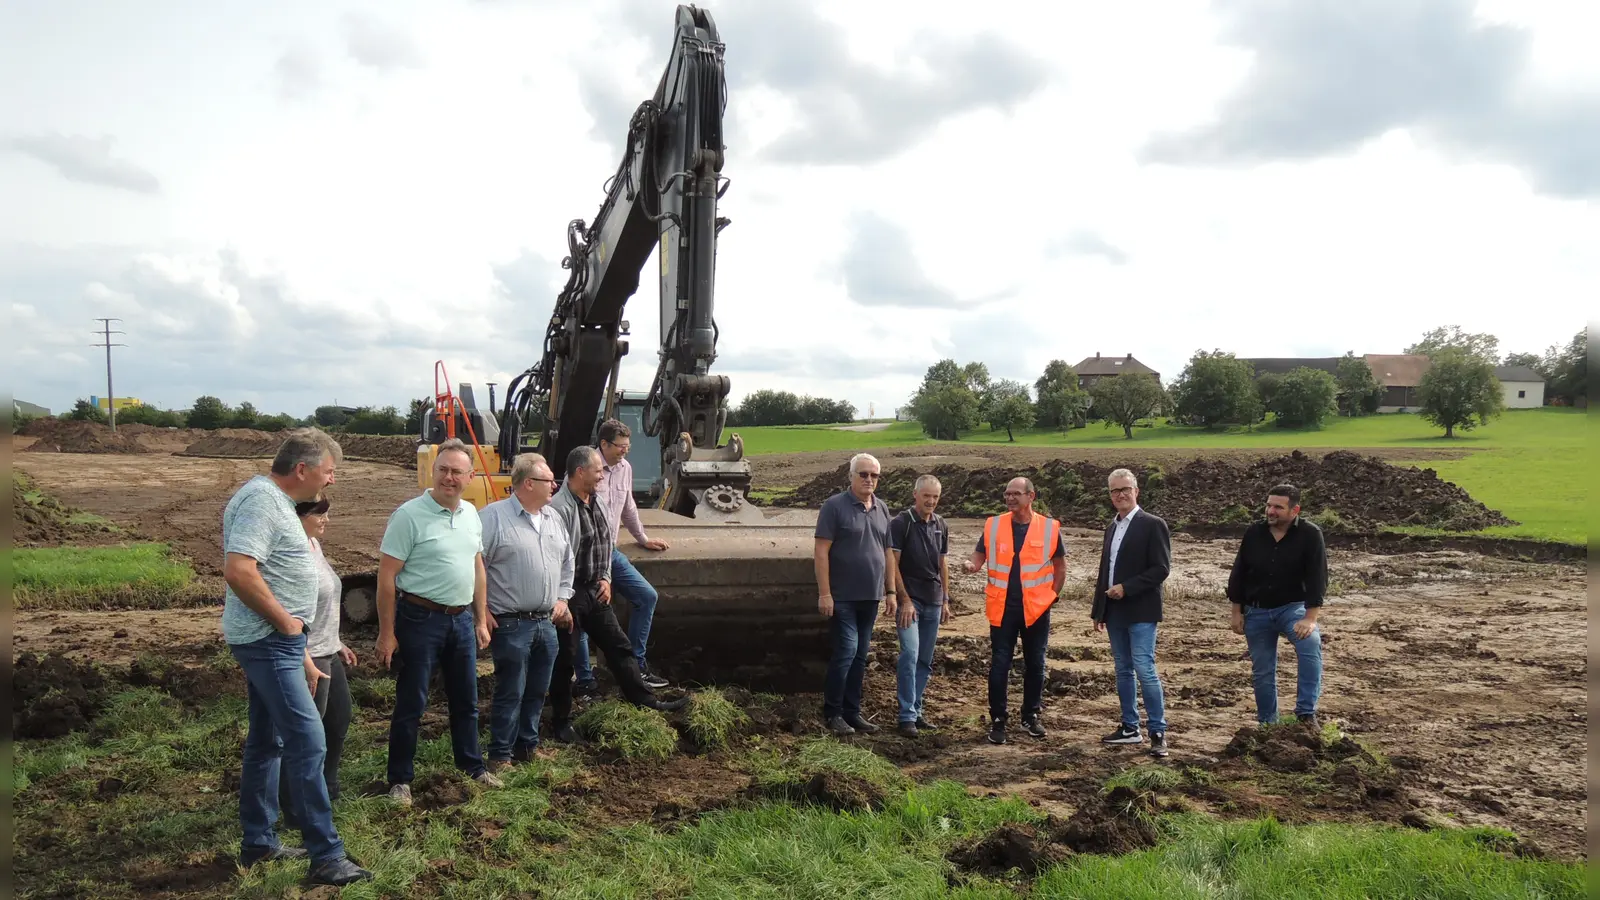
1121,821
438,790
54,695
835,790
1009,847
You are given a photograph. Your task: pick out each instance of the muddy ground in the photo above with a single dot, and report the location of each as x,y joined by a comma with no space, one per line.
1468,671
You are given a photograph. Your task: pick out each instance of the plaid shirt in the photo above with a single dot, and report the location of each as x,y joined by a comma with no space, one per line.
592,556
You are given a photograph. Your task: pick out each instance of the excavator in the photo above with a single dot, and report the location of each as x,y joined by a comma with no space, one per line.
732,570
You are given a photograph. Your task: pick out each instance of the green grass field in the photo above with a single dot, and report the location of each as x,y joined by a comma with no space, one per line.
66,577
1529,463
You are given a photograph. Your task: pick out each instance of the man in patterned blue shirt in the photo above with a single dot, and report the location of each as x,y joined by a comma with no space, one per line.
270,602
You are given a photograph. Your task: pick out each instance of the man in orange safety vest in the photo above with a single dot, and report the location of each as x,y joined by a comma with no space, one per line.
1027,566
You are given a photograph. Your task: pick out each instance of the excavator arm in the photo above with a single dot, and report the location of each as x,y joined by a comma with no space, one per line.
663,197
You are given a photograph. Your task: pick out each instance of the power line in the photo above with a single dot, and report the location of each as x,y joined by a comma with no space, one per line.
105,332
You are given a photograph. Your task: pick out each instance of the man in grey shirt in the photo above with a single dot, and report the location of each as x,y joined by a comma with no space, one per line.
270,601
855,567
528,562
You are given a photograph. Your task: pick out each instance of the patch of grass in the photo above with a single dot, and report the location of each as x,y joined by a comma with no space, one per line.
135,575
1265,859
821,755
712,720
631,731
1144,779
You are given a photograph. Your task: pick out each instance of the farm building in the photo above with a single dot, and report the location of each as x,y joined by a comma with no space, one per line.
1096,367
1523,387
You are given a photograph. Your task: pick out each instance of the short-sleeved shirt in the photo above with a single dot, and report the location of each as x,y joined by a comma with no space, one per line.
323,638
922,544
526,557
860,536
439,548
1019,533
259,522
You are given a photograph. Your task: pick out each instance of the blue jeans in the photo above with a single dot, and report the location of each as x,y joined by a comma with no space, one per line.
524,652
427,639
851,626
1133,649
1261,630
285,739
627,583
916,660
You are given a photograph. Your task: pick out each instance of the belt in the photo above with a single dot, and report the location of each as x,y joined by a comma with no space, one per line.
530,616
425,603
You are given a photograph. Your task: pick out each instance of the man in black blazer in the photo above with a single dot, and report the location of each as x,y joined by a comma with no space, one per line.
1134,561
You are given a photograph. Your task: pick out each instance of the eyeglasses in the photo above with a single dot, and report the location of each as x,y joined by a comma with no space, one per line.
867,475
1121,490
459,473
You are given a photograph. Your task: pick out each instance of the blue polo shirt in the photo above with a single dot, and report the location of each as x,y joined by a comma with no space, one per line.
860,536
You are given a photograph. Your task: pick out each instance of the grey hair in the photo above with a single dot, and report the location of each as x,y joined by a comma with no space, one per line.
1027,483
1122,473
924,481
523,466
580,456
855,461
456,445
305,445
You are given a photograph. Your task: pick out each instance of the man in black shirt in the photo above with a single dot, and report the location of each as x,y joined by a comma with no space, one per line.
921,542
1279,577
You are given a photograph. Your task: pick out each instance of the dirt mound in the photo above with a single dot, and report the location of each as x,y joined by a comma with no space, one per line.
1343,491
53,695
69,436
837,791
1348,775
441,789
1019,847
395,449
1120,821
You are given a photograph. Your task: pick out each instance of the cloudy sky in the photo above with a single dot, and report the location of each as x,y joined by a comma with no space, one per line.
306,202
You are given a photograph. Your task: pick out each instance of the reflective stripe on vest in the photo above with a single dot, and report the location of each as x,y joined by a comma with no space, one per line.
1036,573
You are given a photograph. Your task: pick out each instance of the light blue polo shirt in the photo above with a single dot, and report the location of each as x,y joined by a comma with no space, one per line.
259,522
439,549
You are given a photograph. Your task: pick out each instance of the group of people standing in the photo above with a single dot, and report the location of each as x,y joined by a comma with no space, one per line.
530,579
865,556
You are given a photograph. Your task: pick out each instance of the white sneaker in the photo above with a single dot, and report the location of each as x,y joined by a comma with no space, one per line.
401,794
488,780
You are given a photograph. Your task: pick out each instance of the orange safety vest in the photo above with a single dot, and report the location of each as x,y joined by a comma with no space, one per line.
1038,592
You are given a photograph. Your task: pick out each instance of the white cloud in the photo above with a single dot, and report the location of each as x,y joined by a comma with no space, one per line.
892,201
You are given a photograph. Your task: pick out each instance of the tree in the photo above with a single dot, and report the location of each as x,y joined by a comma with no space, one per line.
1482,346
1267,385
1528,360
1010,407
1305,398
209,413
1126,399
330,416
415,413
279,422
1359,393
385,420
1566,369
84,411
1061,403
1215,389
1459,391
945,404
245,416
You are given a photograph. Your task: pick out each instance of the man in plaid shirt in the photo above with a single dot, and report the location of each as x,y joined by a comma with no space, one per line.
616,495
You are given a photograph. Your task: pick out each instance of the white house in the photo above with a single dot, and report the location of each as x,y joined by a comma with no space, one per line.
1522,387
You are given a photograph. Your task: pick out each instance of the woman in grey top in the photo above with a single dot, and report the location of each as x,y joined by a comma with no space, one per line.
329,654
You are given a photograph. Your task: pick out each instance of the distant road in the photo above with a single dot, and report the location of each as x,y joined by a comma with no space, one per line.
870,426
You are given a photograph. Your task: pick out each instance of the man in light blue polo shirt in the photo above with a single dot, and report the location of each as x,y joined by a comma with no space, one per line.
270,602
433,611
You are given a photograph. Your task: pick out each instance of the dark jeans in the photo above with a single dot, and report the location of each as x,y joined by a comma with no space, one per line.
628,584
915,663
285,738
597,620
1133,651
1003,647
524,652
428,639
333,705
852,633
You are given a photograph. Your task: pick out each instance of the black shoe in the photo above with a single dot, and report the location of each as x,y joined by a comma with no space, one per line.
997,732
1308,719
840,727
861,725
338,873
1158,744
668,705
566,734
925,725
586,689
1124,735
1033,725
656,682
273,855
907,729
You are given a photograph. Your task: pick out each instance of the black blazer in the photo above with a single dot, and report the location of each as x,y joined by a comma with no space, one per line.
1143,561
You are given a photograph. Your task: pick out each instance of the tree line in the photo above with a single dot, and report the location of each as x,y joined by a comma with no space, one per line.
1217,389
210,413
769,407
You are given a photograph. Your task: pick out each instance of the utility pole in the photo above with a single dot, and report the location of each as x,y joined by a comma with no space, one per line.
111,398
